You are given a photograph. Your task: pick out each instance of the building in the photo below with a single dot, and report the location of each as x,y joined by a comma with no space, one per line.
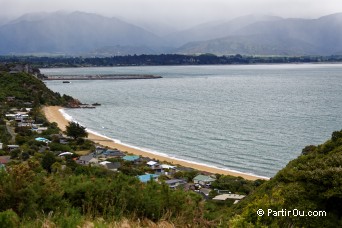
131,158
228,196
174,183
147,177
113,166
114,153
12,147
87,159
203,180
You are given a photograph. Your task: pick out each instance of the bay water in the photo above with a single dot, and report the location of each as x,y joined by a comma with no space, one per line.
248,118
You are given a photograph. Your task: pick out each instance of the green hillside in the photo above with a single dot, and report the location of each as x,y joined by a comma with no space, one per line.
312,182
25,87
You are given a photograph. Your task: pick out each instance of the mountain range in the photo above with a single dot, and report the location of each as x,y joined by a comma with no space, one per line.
88,34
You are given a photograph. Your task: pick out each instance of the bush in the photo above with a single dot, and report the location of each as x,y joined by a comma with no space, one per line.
9,219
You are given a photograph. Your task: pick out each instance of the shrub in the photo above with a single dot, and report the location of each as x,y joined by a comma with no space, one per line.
9,219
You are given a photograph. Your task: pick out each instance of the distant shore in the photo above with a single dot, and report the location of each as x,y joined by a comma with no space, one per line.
53,114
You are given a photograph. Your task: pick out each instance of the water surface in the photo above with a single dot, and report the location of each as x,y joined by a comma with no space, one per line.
253,118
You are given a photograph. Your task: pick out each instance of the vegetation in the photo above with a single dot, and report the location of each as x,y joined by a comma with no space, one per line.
164,59
26,89
31,192
75,130
312,182
39,188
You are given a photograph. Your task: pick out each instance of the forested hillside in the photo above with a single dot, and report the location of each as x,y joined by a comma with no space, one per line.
312,182
19,87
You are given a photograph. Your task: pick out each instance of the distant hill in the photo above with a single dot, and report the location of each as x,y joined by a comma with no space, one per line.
216,29
89,34
321,36
70,33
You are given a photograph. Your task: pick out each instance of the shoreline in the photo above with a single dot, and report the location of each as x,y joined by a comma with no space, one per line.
53,114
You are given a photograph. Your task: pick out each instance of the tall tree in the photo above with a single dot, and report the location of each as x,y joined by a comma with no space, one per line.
75,130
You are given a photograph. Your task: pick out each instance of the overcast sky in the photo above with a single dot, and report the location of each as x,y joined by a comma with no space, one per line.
178,12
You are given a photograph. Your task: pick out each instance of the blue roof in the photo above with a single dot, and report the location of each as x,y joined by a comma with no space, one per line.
131,157
41,139
147,177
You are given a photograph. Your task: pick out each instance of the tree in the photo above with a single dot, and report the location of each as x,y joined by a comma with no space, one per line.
75,130
48,160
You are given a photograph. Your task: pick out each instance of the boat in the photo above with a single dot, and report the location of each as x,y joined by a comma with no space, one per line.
66,82
96,104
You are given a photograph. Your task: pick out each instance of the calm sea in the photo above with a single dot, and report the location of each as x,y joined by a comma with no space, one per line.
250,118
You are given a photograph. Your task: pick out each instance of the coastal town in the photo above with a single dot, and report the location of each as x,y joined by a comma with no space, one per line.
36,141
19,120
55,173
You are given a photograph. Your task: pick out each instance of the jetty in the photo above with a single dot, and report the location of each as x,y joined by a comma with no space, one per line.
100,77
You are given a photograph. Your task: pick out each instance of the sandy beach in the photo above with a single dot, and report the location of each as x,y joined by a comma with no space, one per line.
53,114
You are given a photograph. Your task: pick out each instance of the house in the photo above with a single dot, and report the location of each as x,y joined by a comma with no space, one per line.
113,166
154,165
12,147
39,130
168,169
99,150
205,192
114,153
147,177
174,183
24,124
131,158
203,180
87,159
41,139
224,197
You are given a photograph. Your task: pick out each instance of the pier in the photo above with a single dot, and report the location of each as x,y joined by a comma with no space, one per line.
100,77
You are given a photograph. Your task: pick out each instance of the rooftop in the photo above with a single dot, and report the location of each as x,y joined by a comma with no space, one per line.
147,177
204,178
228,196
131,157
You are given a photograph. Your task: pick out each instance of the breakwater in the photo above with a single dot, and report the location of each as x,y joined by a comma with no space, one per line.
101,77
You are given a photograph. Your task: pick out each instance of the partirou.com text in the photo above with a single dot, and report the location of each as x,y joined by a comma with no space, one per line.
293,212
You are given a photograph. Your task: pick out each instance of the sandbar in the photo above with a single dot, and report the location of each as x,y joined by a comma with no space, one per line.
53,114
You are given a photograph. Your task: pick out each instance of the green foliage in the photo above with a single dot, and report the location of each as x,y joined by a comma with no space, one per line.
336,135
312,182
30,191
235,184
75,130
15,153
26,88
9,219
5,137
48,160
59,147
188,175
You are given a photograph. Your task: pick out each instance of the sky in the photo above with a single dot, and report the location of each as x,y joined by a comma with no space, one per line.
178,13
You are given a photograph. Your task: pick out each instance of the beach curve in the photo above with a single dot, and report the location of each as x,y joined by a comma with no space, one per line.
53,114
